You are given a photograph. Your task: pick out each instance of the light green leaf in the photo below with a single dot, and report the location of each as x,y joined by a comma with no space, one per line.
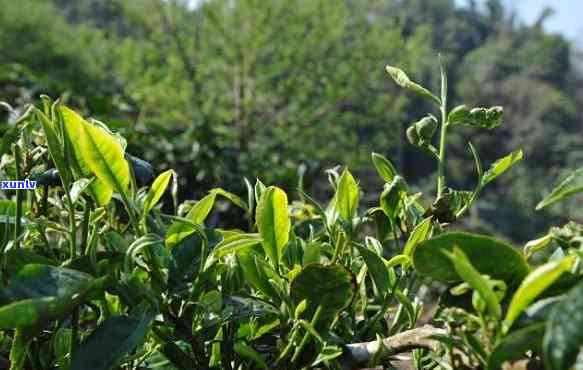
487,118
403,80
157,190
533,285
392,197
347,196
563,339
273,222
329,352
568,187
470,275
233,244
500,166
536,245
180,229
201,209
236,200
399,259
384,167
419,234
79,187
74,124
105,157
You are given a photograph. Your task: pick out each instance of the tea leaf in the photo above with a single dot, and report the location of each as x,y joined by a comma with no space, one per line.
248,352
331,286
403,80
233,244
384,167
273,222
105,157
56,147
470,275
100,191
107,346
488,256
514,346
377,268
347,196
157,190
533,285
500,166
563,338
568,187
419,234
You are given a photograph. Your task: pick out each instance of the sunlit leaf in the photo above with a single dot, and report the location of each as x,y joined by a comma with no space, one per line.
347,196
533,285
384,167
273,222
157,190
500,166
470,275
403,80
572,185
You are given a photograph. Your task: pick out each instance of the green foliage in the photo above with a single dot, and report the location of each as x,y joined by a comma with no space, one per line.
99,272
487,255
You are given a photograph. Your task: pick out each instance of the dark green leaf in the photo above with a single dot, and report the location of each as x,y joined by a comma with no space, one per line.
564,337
489,256
332,286
515,345
377,269
107,346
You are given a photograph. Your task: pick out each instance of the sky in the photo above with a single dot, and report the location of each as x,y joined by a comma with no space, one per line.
568,17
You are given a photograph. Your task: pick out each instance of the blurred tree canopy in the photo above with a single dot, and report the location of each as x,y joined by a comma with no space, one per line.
273,89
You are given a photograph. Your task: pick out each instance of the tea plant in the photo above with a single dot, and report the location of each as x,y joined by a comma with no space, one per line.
96,276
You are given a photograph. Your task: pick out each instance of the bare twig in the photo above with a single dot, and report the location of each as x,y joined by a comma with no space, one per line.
402,342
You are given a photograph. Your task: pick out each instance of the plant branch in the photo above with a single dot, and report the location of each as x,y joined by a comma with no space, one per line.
402,342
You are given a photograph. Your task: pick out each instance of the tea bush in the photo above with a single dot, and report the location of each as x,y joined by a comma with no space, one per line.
96,276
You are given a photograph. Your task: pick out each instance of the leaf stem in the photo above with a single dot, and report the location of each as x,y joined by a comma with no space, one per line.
18,215
443,132
307,335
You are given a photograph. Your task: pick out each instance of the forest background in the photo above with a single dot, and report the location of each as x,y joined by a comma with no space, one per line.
284,90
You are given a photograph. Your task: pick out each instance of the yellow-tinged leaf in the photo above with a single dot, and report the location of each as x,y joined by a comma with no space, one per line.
157,190
533,285
74,123
105,157
273,222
